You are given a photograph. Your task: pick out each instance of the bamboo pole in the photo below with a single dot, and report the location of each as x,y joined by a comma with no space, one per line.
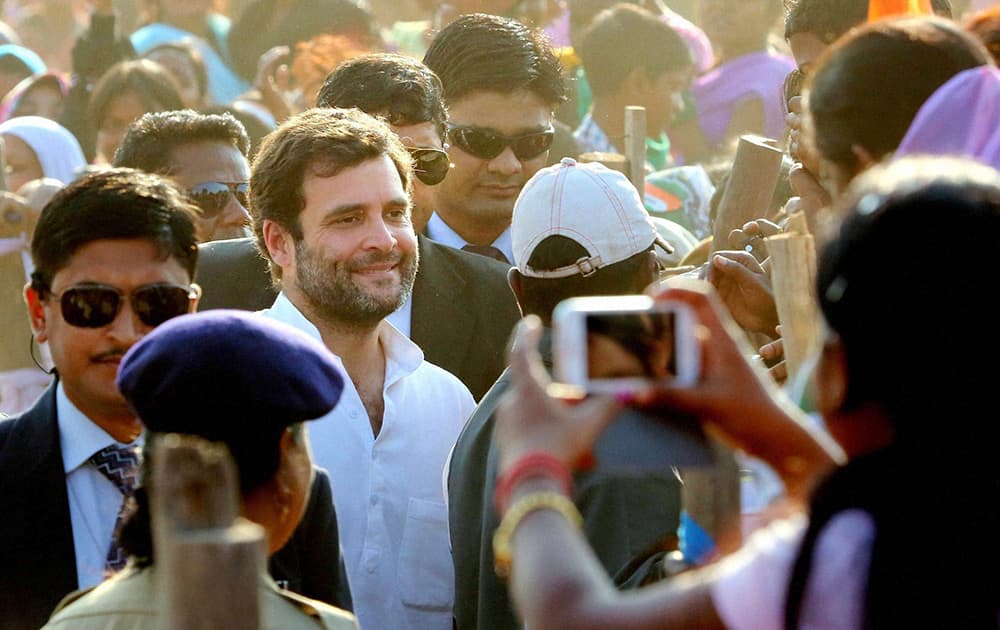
750,188
635,147
793,279
209,560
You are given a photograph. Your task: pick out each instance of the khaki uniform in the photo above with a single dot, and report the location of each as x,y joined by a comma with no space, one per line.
132,600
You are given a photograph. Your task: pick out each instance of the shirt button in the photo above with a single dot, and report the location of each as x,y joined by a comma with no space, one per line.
374,500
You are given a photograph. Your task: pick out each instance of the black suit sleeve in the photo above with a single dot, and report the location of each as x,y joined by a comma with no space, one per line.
310,563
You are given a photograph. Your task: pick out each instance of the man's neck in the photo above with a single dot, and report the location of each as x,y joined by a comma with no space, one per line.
359,350
473,232
609,114
116,420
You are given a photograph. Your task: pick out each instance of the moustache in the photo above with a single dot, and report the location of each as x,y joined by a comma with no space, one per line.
370,260
115,354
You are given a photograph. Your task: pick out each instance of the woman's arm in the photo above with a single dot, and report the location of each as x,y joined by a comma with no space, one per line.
556,580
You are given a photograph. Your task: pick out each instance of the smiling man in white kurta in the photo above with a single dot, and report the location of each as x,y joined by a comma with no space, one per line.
329,198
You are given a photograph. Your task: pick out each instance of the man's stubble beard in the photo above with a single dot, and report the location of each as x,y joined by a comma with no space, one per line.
338,300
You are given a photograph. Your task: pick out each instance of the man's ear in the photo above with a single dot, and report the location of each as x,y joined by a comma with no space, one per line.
36,314
280,244
514,280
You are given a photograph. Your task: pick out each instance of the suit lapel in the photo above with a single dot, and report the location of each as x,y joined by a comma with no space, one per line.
442,331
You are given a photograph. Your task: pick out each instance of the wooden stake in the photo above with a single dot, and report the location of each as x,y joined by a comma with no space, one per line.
750,188
210,562
793,278
711,497
635,147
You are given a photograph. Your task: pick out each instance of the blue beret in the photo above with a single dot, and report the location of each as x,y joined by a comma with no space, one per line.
228,375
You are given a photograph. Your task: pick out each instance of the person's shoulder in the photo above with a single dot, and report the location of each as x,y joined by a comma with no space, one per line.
229,248
301,607
439,386
438,377
13,427
483,265
132,591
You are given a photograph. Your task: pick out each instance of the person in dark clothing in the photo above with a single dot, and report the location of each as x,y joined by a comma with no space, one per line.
566,214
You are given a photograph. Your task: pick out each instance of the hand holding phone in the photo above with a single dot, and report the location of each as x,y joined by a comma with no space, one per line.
625,345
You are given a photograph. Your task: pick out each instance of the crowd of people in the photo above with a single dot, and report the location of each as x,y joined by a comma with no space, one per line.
334,236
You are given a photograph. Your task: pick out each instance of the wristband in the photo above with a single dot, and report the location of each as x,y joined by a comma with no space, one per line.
537,464
502,554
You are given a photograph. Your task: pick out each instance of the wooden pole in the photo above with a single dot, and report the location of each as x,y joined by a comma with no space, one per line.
635,147
209,560
614,161
711,497
750,188
793,278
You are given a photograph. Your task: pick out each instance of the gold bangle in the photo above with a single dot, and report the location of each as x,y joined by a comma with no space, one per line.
502,554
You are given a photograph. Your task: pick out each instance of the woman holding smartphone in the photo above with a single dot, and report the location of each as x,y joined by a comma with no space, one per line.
899,514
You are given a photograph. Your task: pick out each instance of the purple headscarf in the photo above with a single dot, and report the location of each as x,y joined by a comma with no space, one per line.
961,118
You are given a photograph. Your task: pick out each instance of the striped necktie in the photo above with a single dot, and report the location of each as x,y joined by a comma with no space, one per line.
120,464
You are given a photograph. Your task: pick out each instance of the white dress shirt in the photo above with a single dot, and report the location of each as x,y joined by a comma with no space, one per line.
94,501
441,232
400,318
387,490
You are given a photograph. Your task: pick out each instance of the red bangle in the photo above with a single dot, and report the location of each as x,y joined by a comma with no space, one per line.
537,464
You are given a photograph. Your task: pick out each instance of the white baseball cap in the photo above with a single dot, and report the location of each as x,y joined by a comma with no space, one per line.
596,207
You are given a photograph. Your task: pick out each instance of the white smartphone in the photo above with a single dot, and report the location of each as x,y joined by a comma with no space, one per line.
610,345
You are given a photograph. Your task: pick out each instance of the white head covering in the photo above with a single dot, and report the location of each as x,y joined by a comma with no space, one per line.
57,149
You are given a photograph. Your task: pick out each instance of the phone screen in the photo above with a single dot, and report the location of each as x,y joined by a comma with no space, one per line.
631,345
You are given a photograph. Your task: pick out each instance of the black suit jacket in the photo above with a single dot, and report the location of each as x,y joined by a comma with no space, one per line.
463,309
37,557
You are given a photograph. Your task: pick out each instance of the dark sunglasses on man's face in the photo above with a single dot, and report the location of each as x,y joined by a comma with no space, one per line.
486,145
429,165
212,197
97,305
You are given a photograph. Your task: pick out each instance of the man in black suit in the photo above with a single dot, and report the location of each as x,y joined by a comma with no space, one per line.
114,256
501,83
462,310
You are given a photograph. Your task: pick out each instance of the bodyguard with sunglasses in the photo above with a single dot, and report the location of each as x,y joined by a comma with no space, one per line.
206,154
114,257
501,84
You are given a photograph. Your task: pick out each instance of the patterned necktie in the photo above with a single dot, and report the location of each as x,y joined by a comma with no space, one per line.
120,464
486,250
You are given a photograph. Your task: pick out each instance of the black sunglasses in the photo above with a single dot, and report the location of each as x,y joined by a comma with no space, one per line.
97,305
486,145
429,165
212,197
